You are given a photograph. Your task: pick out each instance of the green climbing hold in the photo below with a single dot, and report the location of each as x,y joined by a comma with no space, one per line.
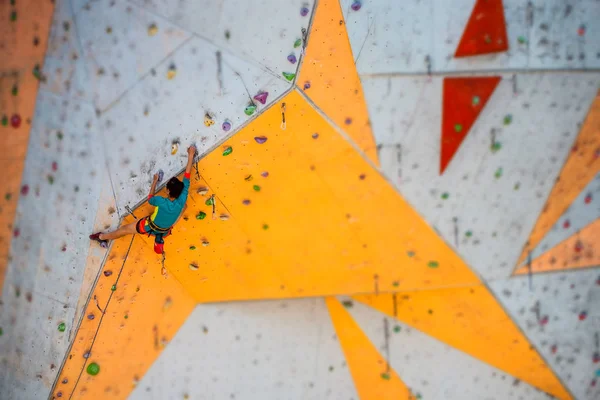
227,151
250,109
288,76
397,329
498,173
330,368
468,233
1,332
15,90
495,147
395,284
385,376
347,303
93,369
507,119
7,196
517,186
522,40
36,72
4,120
475,100
50,179
202,214
13,16
265,227
256,188
126,316
297,43
59,135
192,247
410,253
61,327
458,128
113,287
445,196
433,264
209,202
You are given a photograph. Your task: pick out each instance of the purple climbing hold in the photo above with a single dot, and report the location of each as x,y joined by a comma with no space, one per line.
356,5
246,202
161,175
264,174
348,121
292,58
306,85
304,11
226,126
107,273
260,139
87,354
315,135
91,316
261,97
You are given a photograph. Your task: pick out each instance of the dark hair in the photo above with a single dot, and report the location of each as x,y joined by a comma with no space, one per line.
174,187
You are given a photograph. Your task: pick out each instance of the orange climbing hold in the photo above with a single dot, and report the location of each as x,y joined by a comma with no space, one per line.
485,31
372,376
577,251
463,100
329,76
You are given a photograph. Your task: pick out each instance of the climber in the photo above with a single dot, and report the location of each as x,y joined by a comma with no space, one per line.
167,212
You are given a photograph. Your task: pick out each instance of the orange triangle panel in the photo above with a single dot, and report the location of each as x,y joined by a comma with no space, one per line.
464,98
485,32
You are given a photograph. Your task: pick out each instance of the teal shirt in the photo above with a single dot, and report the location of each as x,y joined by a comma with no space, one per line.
167,211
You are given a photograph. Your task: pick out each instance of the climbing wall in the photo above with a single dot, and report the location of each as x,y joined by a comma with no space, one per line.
377,187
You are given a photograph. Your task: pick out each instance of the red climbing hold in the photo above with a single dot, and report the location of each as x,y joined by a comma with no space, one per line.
588,198
15,121
544,320
485,31
553,349
582,315
578,246
459,109
566,224
596,358
25,190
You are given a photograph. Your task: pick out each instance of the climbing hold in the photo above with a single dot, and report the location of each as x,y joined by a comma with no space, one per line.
193,267
65,381
202,191
60,135
87,354
246,202
256,188
260,139
171,72
495,147
395,284
306,85
61,327
59,394
227,151
54,166
202,214
288,75
397,329
152,30
566,224
348,121
192,247
457,128
582,315
356,5
304,10
15,121
4,120
161,175
226,126
107,273
13,15
498,173
227,34
261,97
25,190
581,30
265,227
50,179
15,90
297,43
264,174
410,253
445,196
91,316
37,72
208,120
224,217
347,303
93,369
475,101
596,358
292,58
468,234
507,119
205,243
544,320
522,40
433,264
209,202
174,148
385,375
113,288
249,110
248,178
1,332
588,198
315,135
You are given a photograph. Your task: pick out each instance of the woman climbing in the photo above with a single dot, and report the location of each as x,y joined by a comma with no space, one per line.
167,213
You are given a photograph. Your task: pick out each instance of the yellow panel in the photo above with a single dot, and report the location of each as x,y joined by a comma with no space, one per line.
19,56
471,320
577,251
334,82
323,222
144,313
372,378
581,167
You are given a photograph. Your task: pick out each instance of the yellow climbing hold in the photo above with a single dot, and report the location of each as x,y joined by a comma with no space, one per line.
174,148
171,72
152,30
208,121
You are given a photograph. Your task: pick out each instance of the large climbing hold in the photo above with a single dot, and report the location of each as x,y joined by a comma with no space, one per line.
485,31
288,75
261,97
459,111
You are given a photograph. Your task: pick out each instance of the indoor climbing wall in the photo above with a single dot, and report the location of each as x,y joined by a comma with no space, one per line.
378,190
